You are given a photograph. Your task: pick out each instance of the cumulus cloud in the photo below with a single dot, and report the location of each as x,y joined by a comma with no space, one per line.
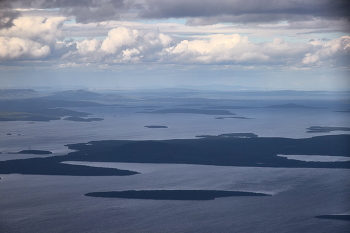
16,48
29,38
118,38
87,47
35,38
123,45
40,29
336,51
237,49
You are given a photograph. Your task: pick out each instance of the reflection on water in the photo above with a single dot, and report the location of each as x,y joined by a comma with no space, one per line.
316,158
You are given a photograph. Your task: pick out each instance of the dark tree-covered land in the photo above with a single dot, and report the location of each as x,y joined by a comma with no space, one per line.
345,217
41,109
35,152
173,194
191,111
156,126
326,129
227,150
220,150
47,166
81,119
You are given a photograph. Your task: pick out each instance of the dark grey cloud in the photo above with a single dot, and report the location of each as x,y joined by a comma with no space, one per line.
7,15
242,11
197,12
85,11
88,14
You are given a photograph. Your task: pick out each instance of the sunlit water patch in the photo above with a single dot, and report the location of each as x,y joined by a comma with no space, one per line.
316,158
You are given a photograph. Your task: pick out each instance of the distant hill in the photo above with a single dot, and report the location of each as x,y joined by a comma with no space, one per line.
191,111
289,105
74,95
37,109
8,94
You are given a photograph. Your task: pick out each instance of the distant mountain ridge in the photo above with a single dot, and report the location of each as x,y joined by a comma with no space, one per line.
7,94
74,95
289,105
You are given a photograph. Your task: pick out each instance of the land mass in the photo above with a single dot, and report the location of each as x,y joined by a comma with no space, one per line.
237,149
172,194
35,152
335,216
25,116
243,118
230,135
290,105
326,129
191,111
228,107
40,109
348,110
80,119
6,94
156,126
52,166
73,95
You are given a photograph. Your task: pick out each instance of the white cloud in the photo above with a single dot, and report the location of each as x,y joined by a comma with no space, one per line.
336,51
29,38
123,45
118,38
237,49
36,38
17,48
39,29
88,47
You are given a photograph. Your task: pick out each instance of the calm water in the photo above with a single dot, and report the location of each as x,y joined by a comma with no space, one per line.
38,203
58,204
121,123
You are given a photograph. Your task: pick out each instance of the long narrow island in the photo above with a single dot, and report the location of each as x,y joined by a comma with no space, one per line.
173,194
236,149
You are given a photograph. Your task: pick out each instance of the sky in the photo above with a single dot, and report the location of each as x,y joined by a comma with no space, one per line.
266,44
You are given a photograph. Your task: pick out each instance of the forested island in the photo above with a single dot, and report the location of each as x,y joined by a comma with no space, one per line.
41,109
345,217
156,126
81,119
236,149
191,111
243,118
326,129
35,152
173,194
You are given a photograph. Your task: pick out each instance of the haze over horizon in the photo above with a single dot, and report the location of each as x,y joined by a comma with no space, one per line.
269,45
